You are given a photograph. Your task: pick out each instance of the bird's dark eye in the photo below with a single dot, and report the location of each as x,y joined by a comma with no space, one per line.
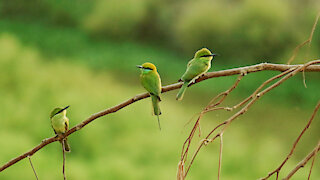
148,68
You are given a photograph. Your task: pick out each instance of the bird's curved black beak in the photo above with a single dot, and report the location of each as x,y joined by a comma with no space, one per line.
213,55
65,108
62,109
138,66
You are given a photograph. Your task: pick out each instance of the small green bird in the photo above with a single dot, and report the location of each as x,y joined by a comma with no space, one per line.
151,81
60,124
196,67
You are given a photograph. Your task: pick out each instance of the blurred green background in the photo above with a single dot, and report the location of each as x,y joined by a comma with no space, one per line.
83,54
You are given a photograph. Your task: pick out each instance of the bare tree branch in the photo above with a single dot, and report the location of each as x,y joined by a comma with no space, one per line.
303,162
229,72
220,156
294,144
308,41
211,105
314,159
224,125
34,171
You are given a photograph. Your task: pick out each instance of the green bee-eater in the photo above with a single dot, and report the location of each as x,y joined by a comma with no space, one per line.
151,81
196,67
60,124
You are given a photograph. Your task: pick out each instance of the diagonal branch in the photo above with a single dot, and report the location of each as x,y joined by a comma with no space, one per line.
308,41
303,162
312,164
294,144
229,72
254,97
34,171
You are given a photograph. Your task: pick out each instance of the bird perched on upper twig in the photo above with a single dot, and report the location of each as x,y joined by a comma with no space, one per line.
60,124
151,81
196,67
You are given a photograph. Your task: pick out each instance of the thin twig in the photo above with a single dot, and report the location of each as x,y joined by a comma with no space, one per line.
303,162
210,106
64,160
34,171
304,79
220,156
314,27
312,164
203,142
308,41
294,144
255,96
254,93
207,140
180,172
229,72
223,95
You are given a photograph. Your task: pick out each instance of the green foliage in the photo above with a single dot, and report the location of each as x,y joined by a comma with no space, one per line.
116,19
22,8
57,12
247,30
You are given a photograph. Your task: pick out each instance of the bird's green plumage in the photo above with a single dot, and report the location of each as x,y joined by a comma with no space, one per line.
151,81
55,111
60,124
196,67
182,91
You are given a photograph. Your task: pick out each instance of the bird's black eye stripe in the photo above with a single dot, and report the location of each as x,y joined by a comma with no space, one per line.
206,55
59,111
148,68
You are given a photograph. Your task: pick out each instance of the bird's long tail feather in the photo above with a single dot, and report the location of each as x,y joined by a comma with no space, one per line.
182,91
159,122
66,145
156,107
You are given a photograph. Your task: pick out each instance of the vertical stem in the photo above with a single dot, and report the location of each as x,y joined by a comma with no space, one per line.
220,156
34,171
314,158
64,160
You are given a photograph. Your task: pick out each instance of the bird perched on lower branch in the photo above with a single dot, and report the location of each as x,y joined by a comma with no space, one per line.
60,124
151,81
196,67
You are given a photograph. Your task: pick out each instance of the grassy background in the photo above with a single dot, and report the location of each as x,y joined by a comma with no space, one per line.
53,57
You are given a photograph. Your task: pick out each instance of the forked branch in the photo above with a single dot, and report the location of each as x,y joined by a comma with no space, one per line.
229,72
248,101
294,145
303,162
